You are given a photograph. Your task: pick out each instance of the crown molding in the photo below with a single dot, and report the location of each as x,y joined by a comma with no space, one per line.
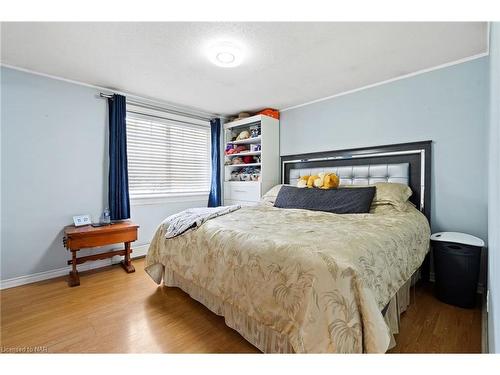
409,75
405,76
107,90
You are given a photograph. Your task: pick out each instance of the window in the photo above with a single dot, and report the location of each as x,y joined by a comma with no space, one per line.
168,155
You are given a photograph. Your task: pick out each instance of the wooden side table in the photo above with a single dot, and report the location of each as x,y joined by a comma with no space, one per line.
76,238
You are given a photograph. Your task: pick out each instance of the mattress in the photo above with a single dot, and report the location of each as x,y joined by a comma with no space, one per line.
294,280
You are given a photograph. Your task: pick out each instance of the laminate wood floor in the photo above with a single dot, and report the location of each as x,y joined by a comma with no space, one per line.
115,312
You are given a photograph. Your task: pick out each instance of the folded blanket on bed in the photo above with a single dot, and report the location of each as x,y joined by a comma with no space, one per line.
178,223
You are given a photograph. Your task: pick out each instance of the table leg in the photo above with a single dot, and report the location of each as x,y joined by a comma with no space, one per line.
74,279
126,263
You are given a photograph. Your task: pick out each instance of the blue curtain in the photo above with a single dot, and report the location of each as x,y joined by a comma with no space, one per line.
215,199
118,196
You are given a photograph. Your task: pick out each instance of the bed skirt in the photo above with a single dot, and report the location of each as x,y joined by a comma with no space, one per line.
398,305
262,337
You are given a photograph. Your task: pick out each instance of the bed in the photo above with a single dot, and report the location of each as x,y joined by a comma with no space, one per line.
293,280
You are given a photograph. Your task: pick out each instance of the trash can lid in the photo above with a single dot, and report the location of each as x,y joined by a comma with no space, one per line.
461,238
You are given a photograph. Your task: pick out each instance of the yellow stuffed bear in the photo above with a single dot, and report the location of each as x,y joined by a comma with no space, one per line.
330,181
306,181
310,181
302,182
321,181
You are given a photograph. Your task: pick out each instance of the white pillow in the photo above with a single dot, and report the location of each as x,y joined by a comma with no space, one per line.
270,197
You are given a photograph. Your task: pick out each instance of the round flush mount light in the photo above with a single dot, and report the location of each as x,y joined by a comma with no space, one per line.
225,54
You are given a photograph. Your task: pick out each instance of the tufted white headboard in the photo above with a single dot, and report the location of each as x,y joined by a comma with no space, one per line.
359,174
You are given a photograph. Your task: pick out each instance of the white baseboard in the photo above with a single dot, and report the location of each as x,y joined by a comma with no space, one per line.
138,251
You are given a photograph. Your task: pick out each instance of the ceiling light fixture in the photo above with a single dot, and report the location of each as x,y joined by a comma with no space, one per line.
225,54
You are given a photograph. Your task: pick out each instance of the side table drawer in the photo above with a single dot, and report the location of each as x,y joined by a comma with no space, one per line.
98,239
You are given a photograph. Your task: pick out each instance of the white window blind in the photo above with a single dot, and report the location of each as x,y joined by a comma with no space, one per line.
167,157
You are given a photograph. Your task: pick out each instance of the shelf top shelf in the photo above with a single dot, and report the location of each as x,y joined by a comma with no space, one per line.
244,165
246,141
244,121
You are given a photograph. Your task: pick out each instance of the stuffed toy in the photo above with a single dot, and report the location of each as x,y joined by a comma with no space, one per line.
235,176
245,134
237,160
254,131
326,181
248,159
302,183
310,181
230,149
250,170
306,181
318,182
321,181
246,174
241,149
331,181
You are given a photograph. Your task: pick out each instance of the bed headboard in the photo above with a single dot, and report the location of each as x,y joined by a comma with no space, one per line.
407,163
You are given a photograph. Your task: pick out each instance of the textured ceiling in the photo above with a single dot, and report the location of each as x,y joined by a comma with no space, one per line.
287,63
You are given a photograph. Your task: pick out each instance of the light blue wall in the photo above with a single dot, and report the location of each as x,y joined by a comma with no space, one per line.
54,166
494,193
448,106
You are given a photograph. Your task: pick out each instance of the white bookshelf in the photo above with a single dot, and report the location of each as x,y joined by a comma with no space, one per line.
250,192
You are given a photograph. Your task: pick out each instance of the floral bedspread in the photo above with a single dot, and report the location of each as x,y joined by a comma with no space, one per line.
319,278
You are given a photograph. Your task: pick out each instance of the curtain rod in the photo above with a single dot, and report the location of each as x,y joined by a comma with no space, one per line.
144,104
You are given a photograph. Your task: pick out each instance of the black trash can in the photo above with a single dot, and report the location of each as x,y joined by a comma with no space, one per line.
457,259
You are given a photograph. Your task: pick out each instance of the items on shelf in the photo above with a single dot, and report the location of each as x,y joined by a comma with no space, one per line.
240,116
270,112
255,131
255,147
246,174
243,115
248,159
245,134
234,149
274,113
250,132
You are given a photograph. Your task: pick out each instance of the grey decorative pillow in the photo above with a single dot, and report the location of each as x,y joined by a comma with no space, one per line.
338,201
